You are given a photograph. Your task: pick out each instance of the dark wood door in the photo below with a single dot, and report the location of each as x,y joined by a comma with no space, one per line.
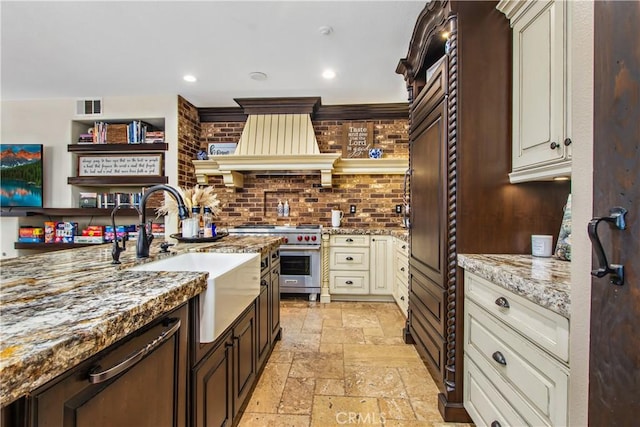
212,387
244,358
151,392
428,234
263,321
274,300
614,371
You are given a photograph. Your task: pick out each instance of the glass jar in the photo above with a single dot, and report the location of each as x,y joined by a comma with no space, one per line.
207,222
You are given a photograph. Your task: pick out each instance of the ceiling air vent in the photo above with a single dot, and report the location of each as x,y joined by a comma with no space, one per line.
89,107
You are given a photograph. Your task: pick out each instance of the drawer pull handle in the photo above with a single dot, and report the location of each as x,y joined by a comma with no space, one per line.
349,258
496,424
502,302
498,357
349,240
97,377
349,282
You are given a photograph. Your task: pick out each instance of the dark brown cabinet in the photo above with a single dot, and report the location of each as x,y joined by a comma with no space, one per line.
213,387
264,326
141,381
457,71
274,303
225,376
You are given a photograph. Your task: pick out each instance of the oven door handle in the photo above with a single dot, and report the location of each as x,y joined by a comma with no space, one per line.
299,248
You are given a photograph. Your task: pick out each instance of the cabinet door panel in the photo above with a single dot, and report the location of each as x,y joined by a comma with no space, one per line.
539,93
212,397
264,327
275,303
150,393
428,186
429,299
244,369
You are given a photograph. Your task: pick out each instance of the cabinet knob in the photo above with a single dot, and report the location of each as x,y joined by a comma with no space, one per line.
349,282
495,424
502,302
567,142
401,268
402,298
349,258
349,240
554,145
499,357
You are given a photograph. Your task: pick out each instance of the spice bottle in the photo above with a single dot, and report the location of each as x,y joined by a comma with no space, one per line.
207,221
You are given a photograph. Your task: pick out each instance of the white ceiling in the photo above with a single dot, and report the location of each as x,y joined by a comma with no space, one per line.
56,49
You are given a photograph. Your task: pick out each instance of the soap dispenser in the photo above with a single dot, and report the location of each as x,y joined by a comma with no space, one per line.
286,208
280,208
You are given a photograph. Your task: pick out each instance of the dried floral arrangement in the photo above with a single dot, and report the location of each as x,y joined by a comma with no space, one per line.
204,197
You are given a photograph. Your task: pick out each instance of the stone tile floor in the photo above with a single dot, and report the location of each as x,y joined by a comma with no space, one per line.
343,363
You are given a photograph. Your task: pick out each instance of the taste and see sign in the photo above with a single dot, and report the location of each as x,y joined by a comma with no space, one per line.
357,139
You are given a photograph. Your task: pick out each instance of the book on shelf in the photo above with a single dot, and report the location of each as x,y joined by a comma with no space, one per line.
134,132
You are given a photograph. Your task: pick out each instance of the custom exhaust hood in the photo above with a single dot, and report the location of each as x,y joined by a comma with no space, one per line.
278,138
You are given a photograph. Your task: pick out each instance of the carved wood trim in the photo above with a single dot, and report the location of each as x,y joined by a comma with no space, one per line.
293,105
430,21
389,111
452,253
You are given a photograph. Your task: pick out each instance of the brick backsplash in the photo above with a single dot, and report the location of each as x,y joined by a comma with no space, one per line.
375,196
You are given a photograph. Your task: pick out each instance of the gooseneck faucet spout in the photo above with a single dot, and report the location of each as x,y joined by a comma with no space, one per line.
144,241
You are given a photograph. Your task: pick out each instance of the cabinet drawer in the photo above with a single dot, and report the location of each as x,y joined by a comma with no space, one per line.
542,326
401,247
349,240
402,267
483,402
349,258
349,282
526,373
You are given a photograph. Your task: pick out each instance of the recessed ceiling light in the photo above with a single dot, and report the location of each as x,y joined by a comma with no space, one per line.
328,74
325,30
257,75
189,78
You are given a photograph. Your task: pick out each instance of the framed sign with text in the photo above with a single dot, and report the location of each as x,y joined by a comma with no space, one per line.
357,139
120,165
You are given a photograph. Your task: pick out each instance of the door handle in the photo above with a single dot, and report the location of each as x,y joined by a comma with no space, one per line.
615,219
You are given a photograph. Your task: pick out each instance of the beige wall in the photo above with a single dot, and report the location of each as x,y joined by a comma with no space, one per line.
581,69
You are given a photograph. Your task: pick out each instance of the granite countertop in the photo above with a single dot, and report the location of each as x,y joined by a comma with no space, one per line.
399,232
544,281
60,308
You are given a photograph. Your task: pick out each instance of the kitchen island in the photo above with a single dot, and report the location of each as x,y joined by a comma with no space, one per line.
61,308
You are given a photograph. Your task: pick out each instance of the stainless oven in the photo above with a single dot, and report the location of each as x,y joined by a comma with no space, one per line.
299,270
299,256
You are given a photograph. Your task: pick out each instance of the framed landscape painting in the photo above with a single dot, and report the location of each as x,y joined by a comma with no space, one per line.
21,175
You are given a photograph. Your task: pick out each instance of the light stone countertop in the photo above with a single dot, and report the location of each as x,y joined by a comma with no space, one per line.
399,232
544,281
60,308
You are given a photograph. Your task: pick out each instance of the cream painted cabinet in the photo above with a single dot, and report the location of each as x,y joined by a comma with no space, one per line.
401,274
541,147
515,358
349,264
381,272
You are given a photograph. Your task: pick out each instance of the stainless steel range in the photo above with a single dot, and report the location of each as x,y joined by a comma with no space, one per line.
299,255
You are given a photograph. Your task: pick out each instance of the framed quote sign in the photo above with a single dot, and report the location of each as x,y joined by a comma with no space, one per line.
120,165
357,139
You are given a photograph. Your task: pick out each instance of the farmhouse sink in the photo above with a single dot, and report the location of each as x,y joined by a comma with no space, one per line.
233,284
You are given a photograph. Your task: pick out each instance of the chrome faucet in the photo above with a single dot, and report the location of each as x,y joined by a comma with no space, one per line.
144,241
